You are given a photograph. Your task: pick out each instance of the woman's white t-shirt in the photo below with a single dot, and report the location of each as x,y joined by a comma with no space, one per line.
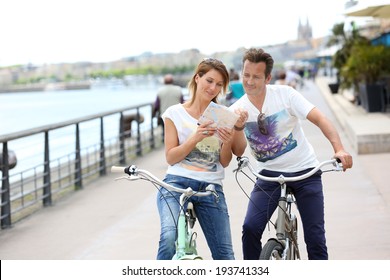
202,163
282,145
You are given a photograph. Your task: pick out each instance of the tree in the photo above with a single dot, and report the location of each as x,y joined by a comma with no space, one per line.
346,41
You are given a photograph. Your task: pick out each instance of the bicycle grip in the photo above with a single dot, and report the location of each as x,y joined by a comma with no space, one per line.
118,169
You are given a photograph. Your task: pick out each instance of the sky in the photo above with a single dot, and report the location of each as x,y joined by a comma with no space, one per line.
54,31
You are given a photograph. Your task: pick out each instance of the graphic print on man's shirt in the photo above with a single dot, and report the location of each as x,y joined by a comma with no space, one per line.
266,140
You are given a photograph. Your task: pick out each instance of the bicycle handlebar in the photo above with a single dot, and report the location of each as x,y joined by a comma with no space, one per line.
244,162
134,173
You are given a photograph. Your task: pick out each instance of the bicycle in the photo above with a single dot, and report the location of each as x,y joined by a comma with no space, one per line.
186,237
285,245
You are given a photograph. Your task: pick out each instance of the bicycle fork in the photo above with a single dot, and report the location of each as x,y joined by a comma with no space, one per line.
186,243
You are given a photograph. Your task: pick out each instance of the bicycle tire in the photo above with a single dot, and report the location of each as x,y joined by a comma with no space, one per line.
272,250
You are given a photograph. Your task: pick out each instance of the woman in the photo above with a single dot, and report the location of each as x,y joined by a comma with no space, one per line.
196,159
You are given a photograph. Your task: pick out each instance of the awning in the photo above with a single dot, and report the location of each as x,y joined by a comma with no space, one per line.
376,11
328,52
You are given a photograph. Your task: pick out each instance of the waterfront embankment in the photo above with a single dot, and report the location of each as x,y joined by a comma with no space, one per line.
46,87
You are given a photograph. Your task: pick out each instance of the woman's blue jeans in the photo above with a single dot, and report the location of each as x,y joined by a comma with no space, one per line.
310,202
212,216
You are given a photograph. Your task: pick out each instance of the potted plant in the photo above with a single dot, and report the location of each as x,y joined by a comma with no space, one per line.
364,69
334,87
346,40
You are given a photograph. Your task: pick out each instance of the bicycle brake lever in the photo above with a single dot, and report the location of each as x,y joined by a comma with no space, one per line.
241,162
121,178
338,165
211,188
127,177
216,195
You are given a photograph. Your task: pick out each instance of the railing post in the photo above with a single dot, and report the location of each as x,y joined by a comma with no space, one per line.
5,192
46,173
152,143
139,144
102,161
78,173
122,154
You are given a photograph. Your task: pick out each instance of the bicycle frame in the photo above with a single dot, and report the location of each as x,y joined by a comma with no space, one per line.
285,245
185,243
287,226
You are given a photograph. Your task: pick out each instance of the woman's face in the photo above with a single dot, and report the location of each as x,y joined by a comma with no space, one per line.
210,84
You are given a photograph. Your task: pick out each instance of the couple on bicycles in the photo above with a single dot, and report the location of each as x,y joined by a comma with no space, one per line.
270,122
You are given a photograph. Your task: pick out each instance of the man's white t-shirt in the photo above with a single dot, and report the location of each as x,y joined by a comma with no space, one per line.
282,145
202,163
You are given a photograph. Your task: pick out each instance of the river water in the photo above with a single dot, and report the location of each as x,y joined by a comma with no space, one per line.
26,110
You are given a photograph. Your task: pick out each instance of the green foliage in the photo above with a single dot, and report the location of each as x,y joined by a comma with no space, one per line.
112,73
33,80
146,70
366,64
68,77
346,41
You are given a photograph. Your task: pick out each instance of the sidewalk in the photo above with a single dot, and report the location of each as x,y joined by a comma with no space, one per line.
118,220
368,132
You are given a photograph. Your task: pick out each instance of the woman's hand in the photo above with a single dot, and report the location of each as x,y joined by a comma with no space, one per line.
226,135
205,130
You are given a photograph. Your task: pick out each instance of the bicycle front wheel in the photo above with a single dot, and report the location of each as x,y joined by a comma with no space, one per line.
272,250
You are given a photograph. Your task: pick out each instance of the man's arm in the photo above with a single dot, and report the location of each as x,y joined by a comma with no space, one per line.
239,143
239,139
330,132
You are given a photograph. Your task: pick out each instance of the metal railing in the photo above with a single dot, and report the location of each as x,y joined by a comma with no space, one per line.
37,185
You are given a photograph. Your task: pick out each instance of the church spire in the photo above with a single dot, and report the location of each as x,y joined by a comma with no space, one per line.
304,31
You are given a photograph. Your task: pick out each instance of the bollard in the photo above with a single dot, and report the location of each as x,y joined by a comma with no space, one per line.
128,120
12,161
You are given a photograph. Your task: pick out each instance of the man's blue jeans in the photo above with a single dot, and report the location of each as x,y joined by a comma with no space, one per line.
212,216
310,202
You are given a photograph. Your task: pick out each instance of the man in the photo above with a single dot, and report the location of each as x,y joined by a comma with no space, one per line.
278,143
167,95
236,89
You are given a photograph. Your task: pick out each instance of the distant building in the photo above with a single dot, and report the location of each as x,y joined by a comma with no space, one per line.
305,32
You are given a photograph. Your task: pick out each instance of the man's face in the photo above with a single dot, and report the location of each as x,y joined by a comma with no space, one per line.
253,78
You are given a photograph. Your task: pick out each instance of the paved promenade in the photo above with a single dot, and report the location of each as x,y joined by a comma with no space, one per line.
118,220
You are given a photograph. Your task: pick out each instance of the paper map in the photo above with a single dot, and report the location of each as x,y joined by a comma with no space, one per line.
220,115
